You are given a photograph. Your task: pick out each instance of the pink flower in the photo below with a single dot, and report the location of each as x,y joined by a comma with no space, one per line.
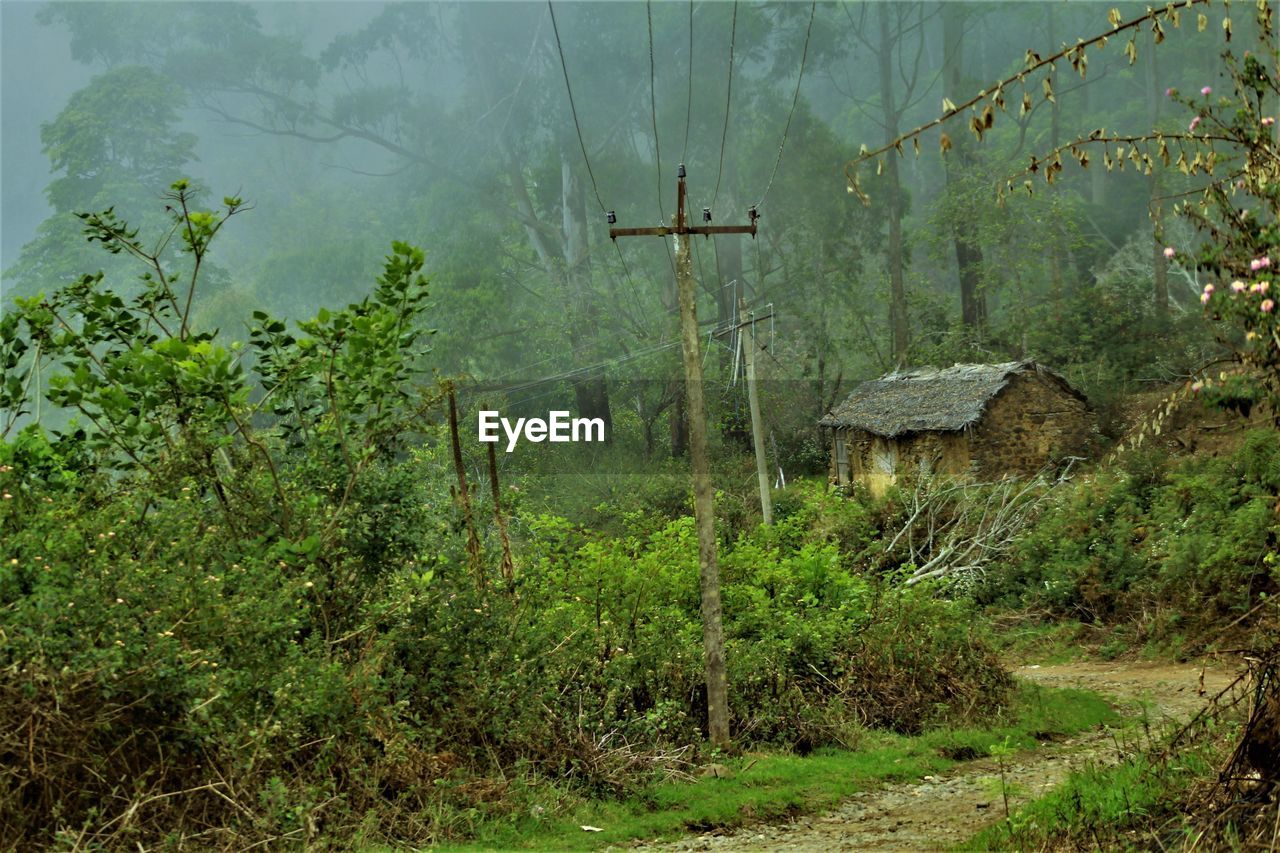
1267,121
1206,90
1169,252
1204,297
1197,386
1264,286
1195,122
1237,286
1170,92
1267,305
1260,263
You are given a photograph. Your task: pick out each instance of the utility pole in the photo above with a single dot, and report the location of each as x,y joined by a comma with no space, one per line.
699,451
757,425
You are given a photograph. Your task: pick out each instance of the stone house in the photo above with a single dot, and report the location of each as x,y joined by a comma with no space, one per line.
983,421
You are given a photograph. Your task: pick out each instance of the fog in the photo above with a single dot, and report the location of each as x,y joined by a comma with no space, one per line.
449,126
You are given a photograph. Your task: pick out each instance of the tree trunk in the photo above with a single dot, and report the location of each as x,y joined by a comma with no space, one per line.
591,392
973,303
729,266
893,198
1056,253
1097,175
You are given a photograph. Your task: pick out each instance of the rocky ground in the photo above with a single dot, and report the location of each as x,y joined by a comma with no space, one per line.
937,812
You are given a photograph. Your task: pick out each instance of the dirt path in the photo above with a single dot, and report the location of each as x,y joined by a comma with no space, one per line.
937,812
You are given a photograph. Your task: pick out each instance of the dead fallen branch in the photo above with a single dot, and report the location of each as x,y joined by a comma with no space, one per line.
954,530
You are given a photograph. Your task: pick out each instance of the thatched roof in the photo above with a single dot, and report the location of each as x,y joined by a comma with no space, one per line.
930,399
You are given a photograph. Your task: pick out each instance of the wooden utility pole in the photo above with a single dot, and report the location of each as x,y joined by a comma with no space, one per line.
699,451
757,426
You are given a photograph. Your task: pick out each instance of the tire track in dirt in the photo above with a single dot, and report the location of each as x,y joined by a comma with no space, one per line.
937,812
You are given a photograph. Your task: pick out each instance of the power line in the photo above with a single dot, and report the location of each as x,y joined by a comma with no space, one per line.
702,273
568,375
653,113
795,97
627,272
653,107
652,349
573,109
728,94
688,110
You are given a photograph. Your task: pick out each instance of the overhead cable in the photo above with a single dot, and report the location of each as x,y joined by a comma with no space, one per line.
728,94
653,108
795,97
573,109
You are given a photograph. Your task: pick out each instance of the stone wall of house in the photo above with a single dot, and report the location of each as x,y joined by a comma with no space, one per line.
877,462
1033,421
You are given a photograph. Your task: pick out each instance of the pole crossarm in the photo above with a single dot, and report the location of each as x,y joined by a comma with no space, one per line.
681,225
663,231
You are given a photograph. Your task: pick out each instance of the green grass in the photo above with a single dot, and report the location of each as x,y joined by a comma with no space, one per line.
1048,643
771,786
1104,806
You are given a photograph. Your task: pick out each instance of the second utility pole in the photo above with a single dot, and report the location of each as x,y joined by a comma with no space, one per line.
700,453
748,323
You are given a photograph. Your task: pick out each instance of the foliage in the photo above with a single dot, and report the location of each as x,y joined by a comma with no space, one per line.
1177,547
116,142
232,586
273,689
136,371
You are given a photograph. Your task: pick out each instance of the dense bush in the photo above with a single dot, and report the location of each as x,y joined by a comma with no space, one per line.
248,687
1194,538
238,608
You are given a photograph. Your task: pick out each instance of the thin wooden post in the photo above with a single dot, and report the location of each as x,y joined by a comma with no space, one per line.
508,565
475,555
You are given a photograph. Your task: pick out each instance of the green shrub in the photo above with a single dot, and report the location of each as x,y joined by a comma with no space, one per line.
1195,537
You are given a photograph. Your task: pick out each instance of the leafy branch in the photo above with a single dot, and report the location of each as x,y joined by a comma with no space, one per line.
993,99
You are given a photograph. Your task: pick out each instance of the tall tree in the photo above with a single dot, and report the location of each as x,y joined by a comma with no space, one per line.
892,113
898,47
959,163
116,143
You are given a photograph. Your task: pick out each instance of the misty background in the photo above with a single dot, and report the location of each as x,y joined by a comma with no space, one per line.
449,126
